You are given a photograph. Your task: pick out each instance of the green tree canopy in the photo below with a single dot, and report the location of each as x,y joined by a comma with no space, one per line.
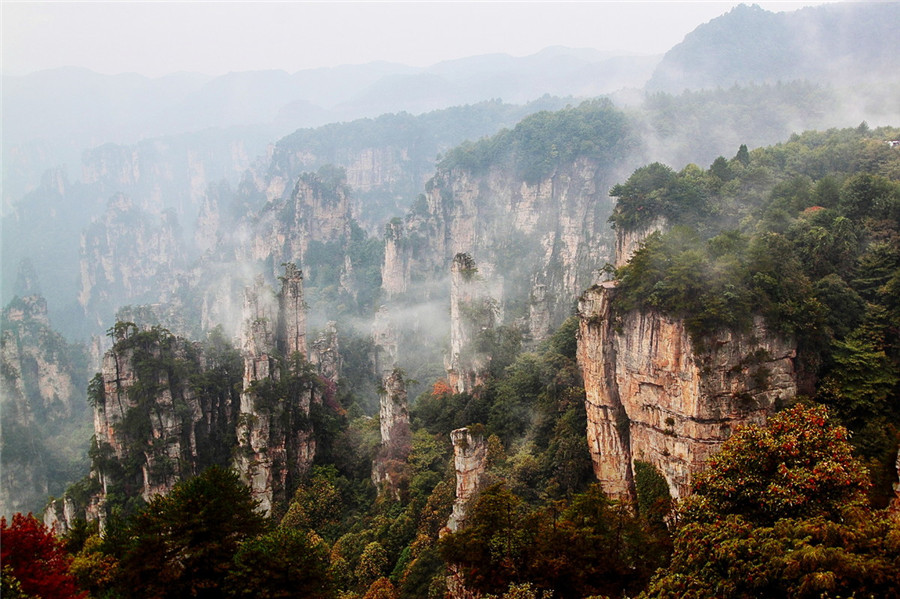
781,512
182,544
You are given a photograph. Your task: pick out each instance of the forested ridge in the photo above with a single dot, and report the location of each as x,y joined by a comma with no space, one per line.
805,234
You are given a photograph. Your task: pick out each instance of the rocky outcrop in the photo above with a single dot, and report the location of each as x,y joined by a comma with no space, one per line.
475,304
153,425
539,317
325,353
654,394
41,401
275,439
386,341
128,256
395,270
629,241
317,211
388,471
545,236
291,313
470,462
170,171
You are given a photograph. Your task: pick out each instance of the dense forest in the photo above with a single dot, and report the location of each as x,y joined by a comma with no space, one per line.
373,332
804,234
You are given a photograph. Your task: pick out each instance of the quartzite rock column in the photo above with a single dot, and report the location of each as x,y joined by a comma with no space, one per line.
390,462
470,461
607,422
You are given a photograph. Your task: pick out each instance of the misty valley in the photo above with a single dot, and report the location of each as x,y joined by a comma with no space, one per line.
634,332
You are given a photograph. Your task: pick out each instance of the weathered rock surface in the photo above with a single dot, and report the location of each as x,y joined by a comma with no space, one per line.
395,270
128,256
628,242
325,353
475,307
317,211
470,462
154,426
390,463
656,396
42,403
545,235
386,341
275,439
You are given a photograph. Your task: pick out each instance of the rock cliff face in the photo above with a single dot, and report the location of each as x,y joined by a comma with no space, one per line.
275,438
628,242
128,256
317,211
173,172
474,309
153,424
654,395
43,407
545,237
470,462
395,270
390,463
325,353
166,408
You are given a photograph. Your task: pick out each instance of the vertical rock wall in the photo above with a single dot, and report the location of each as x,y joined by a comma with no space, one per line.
275,439
388,471
607,422
473,310
42,400
128,256
292,313
470,462
545,236
316,211
153,425
325,353
628,242
653,396
395,269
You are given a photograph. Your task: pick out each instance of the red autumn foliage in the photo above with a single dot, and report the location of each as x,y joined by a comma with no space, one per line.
38,559
441,387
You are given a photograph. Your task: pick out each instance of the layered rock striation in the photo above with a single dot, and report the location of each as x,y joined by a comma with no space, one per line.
656,395
475,309
470,463
42,404
276,442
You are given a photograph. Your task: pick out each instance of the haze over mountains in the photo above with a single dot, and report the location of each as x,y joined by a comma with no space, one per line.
52,115
174,192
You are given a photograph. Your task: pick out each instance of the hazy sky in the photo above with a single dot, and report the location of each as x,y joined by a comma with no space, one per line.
155,38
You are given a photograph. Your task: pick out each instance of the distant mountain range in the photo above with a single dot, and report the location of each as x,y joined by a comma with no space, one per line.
51,117
837,43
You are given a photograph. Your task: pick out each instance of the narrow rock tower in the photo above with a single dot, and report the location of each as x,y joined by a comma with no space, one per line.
275,441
